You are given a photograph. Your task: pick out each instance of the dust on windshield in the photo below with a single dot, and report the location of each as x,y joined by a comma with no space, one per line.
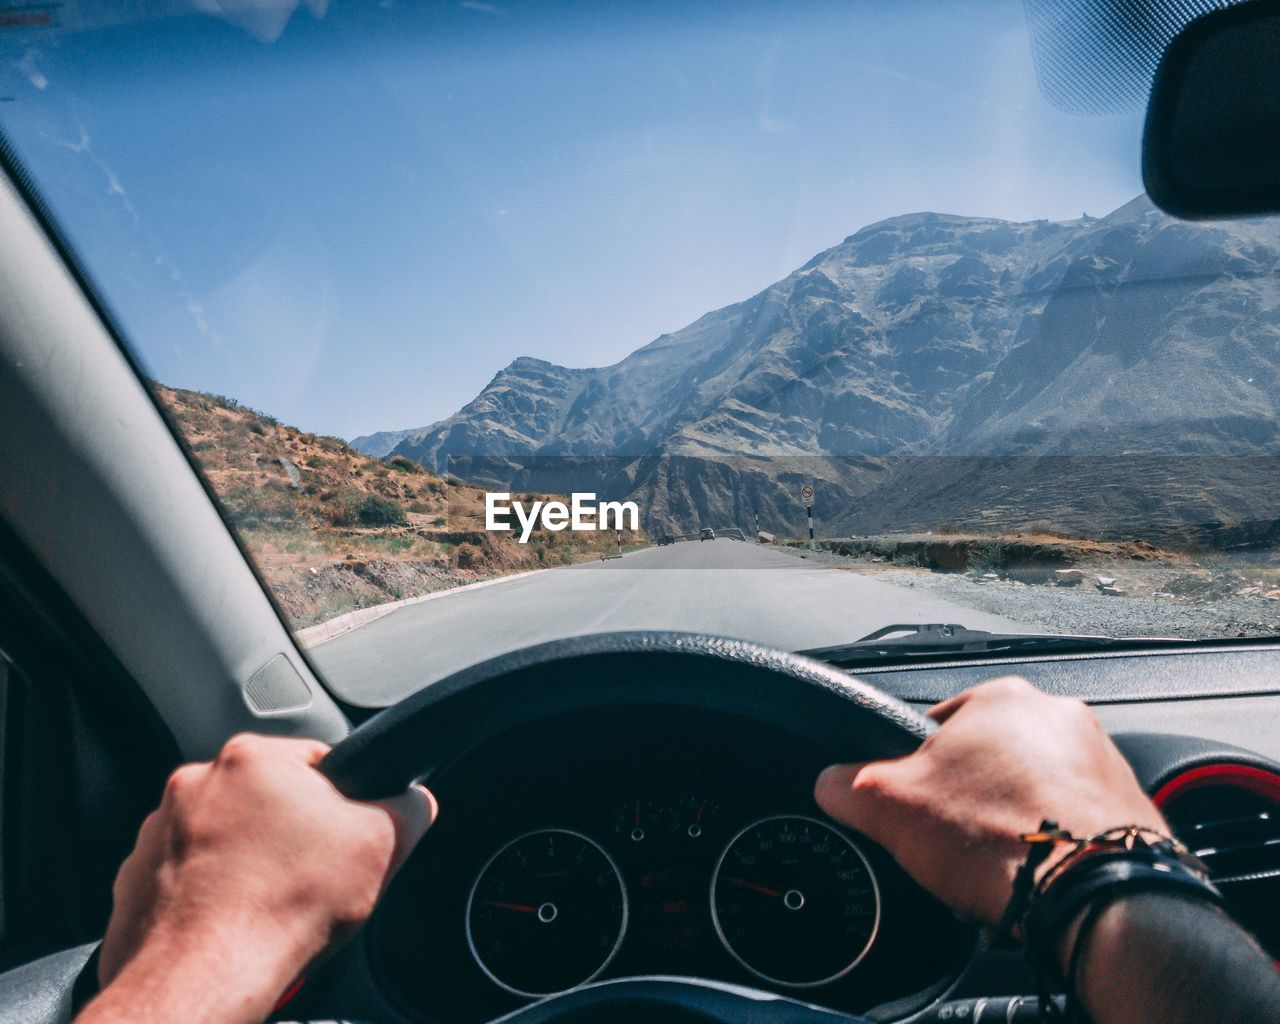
494,324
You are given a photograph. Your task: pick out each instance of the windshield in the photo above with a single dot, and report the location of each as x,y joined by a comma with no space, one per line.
495,323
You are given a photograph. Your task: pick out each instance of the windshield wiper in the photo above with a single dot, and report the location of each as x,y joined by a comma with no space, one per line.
930,639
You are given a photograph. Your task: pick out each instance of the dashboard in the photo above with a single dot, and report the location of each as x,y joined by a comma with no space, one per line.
634,841
661,844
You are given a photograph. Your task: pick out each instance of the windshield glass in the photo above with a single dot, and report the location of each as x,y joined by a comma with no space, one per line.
495,323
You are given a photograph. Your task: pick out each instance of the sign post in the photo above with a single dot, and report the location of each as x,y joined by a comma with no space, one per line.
806,496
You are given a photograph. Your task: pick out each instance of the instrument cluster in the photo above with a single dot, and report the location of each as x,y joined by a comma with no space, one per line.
549,871
790,898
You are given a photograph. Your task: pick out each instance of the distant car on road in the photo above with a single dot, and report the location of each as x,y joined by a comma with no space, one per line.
707,534
665,539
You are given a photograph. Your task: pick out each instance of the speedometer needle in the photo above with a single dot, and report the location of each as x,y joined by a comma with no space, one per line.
763,889
523,908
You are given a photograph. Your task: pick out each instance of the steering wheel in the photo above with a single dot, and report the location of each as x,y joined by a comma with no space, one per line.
415,739
421,735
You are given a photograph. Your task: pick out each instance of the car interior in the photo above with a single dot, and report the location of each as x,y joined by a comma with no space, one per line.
135,635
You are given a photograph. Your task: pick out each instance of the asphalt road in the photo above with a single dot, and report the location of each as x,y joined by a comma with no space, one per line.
726,587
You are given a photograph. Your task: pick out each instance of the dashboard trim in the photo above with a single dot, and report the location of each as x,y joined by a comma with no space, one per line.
1245,776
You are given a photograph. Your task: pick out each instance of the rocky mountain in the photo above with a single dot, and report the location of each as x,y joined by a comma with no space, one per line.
379,444
922,335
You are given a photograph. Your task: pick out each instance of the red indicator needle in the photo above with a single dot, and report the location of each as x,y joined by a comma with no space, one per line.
523,908
763,889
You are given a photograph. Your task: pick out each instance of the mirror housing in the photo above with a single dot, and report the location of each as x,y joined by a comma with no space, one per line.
1211,146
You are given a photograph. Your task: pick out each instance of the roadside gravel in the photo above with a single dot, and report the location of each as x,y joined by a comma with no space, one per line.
1076,609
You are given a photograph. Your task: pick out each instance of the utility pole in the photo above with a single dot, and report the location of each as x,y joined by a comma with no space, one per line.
756,512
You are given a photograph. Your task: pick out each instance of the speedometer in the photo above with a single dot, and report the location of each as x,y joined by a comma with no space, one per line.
547,913
795,901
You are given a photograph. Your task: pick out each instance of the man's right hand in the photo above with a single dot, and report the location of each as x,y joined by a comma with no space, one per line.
1006,756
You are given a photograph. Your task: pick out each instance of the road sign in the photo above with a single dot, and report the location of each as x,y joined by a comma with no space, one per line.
806,497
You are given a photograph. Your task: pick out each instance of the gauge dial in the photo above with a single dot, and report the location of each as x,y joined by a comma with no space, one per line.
649,821
547,913
795,901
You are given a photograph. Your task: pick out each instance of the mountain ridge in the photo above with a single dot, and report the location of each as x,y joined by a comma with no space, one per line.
930,334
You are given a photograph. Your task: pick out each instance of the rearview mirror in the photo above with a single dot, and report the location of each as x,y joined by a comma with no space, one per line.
1211,147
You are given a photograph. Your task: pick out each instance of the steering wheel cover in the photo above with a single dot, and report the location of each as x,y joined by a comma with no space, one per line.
417,737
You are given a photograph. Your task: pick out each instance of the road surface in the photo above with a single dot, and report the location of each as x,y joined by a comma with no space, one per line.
729,588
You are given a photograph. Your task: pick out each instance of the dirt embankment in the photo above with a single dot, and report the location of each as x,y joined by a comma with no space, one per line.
1032,558
332,530
325,591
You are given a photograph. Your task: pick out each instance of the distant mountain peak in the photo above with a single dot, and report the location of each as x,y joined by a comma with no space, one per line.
932,333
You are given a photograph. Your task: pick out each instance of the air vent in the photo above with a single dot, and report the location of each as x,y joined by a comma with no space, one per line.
1229,816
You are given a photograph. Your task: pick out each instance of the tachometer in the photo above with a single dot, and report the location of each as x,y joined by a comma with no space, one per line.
795,901
547,913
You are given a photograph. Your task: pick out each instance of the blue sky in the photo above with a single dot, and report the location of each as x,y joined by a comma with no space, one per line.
352,218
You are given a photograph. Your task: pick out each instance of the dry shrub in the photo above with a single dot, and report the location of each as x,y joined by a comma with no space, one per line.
465,556
1044,528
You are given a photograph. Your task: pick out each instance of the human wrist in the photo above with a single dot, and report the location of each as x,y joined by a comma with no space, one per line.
1083,917
229,968
1115,965
1163,957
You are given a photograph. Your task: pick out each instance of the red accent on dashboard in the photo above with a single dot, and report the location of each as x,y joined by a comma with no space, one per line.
284,999
1264,783
1246,776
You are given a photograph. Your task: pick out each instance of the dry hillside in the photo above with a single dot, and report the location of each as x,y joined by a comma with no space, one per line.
332,530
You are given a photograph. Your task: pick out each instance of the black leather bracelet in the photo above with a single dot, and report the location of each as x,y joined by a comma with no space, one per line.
1040,846
1098,881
